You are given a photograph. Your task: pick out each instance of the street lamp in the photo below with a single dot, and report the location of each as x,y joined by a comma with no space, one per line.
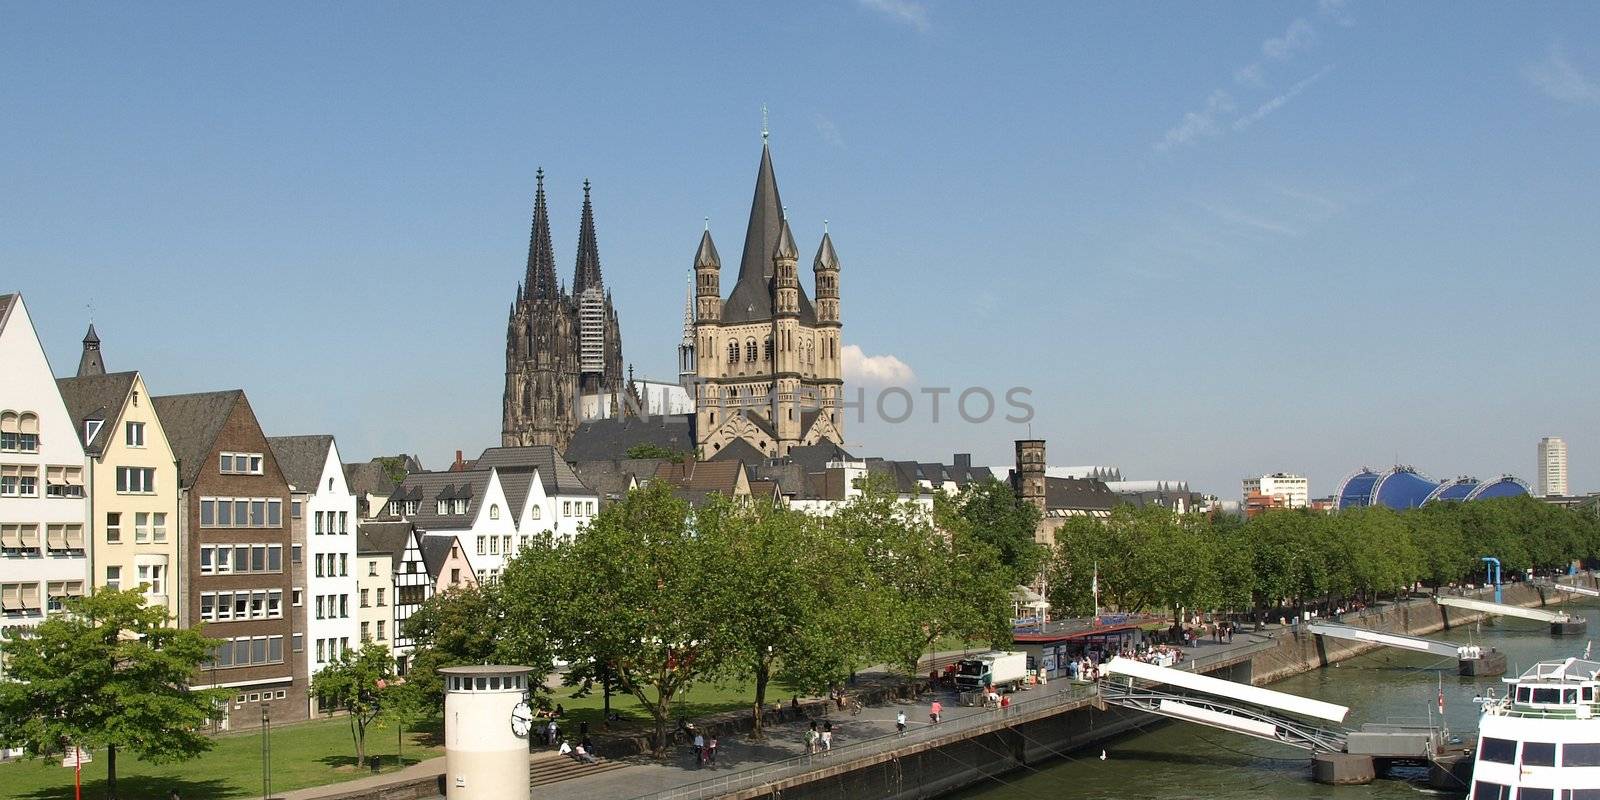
266,753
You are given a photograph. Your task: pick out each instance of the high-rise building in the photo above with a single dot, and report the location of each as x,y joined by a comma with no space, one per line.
1287,491
1552,476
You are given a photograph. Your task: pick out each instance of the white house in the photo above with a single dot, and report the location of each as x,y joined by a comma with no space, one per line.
43,505
508,496
328,511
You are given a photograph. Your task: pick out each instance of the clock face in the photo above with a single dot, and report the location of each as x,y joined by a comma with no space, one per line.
521,720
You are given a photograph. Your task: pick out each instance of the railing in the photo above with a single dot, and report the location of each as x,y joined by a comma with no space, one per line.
799,765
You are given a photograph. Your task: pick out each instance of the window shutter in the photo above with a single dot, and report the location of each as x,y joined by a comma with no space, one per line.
29,423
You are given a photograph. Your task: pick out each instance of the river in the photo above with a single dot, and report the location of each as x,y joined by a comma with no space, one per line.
1177,760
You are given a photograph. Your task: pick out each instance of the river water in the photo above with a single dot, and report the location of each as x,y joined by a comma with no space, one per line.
1179,760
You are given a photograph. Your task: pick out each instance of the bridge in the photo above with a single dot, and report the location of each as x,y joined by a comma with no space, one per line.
1561,623
1338,755
1471,660
1587,592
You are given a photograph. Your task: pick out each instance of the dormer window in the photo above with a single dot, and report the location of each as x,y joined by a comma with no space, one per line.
411,506
458,506
494,511
444,507
91,429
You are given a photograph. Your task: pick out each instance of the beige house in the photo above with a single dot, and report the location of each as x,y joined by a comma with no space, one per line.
133,483
376,543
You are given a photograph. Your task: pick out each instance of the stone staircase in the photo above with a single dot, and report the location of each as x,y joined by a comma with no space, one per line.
546,768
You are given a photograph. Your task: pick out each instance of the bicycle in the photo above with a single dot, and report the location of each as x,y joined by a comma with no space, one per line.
854,706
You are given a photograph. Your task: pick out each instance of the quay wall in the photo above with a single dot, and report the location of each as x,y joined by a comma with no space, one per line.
937,767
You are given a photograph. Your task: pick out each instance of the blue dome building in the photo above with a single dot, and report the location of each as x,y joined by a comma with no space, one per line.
1401,488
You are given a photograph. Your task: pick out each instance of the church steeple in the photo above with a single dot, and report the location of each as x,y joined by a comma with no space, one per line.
91,363
588,270
541,279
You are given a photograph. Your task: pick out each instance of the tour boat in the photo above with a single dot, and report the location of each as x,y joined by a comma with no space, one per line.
1542,740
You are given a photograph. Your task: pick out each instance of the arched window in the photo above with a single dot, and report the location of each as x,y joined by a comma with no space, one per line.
494,511
766,350
750,350
733,352
536,512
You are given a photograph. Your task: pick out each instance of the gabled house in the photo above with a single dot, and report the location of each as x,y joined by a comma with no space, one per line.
237,547
326,513
44,556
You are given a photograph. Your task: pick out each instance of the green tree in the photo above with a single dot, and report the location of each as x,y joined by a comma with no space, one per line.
108,672
357,682
652,450
641,596
1002,520
462,626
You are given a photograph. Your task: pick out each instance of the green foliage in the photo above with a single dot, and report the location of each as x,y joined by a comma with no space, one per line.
1153,558
357,682
997,517
107,672
461,626
652,450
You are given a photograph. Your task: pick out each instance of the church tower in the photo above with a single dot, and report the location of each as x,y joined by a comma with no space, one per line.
766,359
563,352
91,362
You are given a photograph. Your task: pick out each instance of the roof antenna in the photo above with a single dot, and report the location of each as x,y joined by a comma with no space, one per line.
763,123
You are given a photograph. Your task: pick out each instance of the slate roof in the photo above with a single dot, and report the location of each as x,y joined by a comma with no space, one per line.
301,458
714,476
903,473
706,254
382,537
1086,494
7,301
826,258
739,450
751,299
96,397
610,479
427,488
192,422
435,551
790,477
554,471
815,457
607,439
370,477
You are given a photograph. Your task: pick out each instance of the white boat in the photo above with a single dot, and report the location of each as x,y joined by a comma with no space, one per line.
1542,740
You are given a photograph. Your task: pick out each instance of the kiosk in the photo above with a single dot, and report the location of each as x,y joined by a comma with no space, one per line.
486,726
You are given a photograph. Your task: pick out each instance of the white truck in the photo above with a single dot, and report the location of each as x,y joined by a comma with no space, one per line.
1005,671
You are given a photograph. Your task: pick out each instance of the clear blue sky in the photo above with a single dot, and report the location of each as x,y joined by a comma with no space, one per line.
1214,240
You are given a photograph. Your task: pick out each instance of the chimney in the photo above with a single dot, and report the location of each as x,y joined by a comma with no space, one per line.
460,465
962,460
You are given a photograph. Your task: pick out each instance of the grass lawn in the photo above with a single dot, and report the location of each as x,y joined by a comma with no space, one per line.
699,701
303,754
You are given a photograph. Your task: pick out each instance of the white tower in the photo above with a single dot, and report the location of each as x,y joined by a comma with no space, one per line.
486,724
1552,477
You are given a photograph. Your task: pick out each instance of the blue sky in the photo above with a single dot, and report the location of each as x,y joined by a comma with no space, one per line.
1212,240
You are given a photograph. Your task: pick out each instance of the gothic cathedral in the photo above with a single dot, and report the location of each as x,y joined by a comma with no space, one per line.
563,351
766,364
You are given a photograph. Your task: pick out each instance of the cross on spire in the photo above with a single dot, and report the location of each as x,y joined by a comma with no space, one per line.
764,130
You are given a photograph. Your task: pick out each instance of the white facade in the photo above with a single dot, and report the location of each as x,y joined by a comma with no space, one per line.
43,505
1291,491
662,399
1552,475
332,568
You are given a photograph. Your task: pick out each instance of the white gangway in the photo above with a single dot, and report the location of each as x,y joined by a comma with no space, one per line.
1242,692
1488,607
1401,641
1574,589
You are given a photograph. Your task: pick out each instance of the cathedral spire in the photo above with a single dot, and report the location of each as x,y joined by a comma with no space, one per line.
688,310
588,270
91,363
540,282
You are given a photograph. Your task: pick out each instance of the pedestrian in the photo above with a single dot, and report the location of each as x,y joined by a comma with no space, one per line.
550,733
699,746
712,748
811,739
827,737
560,712
1005,701
933,711
583,729
900,722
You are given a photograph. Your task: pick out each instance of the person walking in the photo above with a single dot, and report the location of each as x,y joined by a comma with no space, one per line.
699,747
827,737
811,739
934,711
711,749
900,722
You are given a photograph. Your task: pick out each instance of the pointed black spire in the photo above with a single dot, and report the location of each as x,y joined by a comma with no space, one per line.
826,258
540,283
91,363
587,272
766,222
785,247
707,256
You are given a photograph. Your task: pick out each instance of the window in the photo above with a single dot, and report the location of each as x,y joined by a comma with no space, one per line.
319,565
294,509
141,527
1530,793
19,433
114,527
321,655
133,434
17,539
1538,754
344,521
750,350
64,482
344,606
494,511
380,597
1580,755
455,576
114,578
733,352
566,508
444,506
380,630
321,606
295,553
150,576
1500,751
297,597
240,464
57,592
223,559
19,481
317,525
372,567
158,526
1484,790
136,480
366,632
63,538
19,598
344,565
494,545
482,546
536,512
505,544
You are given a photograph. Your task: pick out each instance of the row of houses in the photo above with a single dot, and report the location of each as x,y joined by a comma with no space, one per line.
279,549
